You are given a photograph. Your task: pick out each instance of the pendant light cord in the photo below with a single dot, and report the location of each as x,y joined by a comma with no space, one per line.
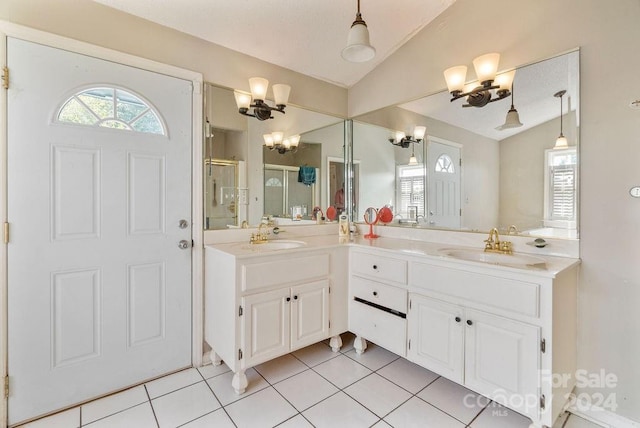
561,134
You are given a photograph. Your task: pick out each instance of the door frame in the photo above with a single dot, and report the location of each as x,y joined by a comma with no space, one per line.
9,29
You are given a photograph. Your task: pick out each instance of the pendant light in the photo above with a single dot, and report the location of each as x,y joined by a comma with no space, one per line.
413,160
561,141
358,47
513,118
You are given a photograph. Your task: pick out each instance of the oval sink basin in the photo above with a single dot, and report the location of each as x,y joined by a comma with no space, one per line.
274,245
523,261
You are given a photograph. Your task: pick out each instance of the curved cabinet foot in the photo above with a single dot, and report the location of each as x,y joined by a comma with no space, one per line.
336,343
215,359
239,382
360,344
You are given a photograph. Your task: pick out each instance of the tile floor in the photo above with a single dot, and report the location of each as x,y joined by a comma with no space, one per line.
312,387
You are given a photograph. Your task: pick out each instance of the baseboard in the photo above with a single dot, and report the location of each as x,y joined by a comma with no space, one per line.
600,416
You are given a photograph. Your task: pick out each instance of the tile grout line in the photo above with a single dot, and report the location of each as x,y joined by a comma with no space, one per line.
151,405
217,399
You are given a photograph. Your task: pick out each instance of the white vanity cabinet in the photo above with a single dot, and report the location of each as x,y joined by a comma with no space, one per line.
378,300
262,306
497,332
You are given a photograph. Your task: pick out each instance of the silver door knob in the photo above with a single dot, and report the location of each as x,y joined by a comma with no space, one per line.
183,224
183,245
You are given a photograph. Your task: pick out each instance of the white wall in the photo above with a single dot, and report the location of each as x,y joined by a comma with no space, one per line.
607,33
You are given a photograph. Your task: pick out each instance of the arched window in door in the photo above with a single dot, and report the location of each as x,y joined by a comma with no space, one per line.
111,107
445,164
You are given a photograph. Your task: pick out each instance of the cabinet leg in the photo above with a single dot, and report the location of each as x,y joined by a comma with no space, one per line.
215,359
335,342
239,382
360,344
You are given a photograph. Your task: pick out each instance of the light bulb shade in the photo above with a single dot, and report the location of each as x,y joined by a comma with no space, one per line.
512,120
286,143
561,142
295,140
258,87
243,100
268,140
277,137
418,132
413,160
281,94
399,136
358,48
486,66
505,80
455,77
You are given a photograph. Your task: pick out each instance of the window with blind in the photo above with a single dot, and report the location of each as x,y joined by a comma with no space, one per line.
410,190
560,188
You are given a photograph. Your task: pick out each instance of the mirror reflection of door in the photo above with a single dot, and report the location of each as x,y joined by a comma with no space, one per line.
443,178
221,196
285,195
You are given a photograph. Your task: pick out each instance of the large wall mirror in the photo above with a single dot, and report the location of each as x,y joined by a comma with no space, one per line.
245,181
471,172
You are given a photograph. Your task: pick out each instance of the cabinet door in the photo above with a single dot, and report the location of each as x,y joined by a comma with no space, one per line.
265,326
309,313
436,335
502,360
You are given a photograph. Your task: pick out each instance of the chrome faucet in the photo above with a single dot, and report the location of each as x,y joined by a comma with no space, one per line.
494,245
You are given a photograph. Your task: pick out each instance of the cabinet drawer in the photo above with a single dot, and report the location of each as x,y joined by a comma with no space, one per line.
381,328
508,294
379,267
286,271
380,294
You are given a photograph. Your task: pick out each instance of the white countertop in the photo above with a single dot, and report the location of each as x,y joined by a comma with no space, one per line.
428,251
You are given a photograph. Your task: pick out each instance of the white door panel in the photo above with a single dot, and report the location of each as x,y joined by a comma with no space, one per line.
444,176
99,292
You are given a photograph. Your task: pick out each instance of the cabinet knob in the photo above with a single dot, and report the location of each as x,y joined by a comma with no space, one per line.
458,319
375,266
295,297
288,299
469,322
375,293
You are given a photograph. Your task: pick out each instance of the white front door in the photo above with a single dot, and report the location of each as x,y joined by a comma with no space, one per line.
99,291
443,175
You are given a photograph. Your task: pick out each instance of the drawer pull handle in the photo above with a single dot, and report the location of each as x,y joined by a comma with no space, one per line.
375,293
375,267
469,322
458,319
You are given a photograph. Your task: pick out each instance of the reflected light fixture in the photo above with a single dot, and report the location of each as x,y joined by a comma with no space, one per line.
275,141
561,141
513,118
358,48
256,100
492,88
413,160
400,139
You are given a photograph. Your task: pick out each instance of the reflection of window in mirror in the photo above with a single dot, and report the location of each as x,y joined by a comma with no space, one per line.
410,190
560,188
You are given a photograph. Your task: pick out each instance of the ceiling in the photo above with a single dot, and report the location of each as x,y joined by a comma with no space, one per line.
306,36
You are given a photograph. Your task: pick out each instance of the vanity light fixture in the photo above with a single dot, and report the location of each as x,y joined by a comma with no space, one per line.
358,48
275,141
513,118
561,141
255,100
404,141
492,88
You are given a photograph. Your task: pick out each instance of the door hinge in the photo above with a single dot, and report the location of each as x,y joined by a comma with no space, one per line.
460,212
5,77
542,402
460,161
409,304
240,311
329,290
409,344
6,232
6,386
543,346
239,354
329,324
